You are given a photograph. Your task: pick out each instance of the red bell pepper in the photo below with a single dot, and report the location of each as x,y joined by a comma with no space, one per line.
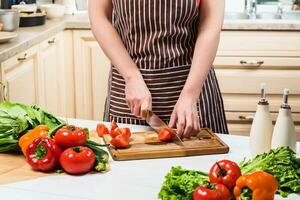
43,154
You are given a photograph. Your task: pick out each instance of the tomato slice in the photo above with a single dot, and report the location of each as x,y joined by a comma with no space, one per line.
102,130
126,131
113,125
115,132
165,134
120,141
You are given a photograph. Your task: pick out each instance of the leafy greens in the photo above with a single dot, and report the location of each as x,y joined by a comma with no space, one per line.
16,119
282,163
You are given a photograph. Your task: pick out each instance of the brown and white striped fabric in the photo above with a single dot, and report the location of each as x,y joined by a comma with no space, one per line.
160,37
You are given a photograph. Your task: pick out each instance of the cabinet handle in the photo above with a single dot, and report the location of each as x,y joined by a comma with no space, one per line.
253,63
51,41
242,117
4,91
23,58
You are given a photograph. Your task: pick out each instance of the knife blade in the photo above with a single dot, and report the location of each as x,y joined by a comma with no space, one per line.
156,123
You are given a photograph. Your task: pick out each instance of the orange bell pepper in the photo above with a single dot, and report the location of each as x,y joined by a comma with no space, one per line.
30,136
262,185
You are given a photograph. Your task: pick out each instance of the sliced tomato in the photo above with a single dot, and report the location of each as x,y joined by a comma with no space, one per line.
115,132
126,131
165,134
118,131
113,125
102,130
120,141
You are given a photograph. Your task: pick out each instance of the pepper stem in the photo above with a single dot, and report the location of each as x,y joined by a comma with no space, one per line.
222,171
40,151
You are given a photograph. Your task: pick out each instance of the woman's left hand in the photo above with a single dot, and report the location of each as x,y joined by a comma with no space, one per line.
185,116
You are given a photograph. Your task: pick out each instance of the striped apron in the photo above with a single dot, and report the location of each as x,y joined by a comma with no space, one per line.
160,36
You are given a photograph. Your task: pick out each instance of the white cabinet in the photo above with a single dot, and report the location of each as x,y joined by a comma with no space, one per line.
247,58
51,75
42,75
91,75
19,77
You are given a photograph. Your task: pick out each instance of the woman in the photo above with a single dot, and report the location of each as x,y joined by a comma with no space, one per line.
162,52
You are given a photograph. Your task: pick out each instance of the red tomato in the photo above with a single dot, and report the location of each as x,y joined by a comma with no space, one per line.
211,192
165,134
225,172
102,130
118,131
113,125
70,136
126,131
120,141
115,132
77,160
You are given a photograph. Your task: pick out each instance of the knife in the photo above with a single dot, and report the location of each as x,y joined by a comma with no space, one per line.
156,123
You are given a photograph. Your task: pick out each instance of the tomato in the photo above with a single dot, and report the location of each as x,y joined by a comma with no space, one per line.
77,160
113,125
126,131
118,131
120,141
211,192
70,136
165,134
102,130
225,172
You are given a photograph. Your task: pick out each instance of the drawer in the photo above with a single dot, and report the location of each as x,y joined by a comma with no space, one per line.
247,81
248,102
259,43
247,117
244,129
252,62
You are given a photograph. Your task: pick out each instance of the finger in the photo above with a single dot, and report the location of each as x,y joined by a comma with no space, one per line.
188,126
145,107
180,125
173,119
137,109
196,125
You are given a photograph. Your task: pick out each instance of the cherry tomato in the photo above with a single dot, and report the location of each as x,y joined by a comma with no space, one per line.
225,172
70,136
165,134
102,130
120,141
77,160
211,192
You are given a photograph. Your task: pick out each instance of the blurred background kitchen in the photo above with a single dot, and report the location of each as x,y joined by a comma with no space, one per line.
53,60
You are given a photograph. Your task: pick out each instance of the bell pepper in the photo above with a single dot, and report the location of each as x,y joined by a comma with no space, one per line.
43,154
256,186
27,138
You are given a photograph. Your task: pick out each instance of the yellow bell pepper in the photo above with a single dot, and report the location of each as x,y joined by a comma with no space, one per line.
27,138
262,185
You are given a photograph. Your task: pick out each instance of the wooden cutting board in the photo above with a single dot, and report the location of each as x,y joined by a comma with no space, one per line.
145,145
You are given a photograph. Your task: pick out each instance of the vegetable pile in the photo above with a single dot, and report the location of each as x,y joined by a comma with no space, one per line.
278,169
16,119
47,142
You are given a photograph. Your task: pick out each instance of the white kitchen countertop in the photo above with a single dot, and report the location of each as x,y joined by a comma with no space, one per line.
136,180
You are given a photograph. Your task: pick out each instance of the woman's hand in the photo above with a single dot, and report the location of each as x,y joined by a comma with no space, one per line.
185,116
138,96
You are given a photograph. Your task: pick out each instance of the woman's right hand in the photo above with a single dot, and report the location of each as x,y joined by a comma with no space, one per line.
138,97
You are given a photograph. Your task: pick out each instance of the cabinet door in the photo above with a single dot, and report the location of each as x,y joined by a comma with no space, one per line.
19,77
51,75
91,75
